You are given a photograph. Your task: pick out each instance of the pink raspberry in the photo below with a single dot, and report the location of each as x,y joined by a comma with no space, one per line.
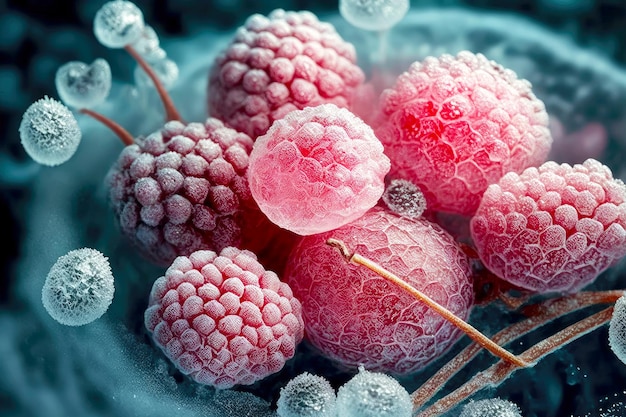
185,188
224,320
455,125
280,63
358,318
552,228
317,169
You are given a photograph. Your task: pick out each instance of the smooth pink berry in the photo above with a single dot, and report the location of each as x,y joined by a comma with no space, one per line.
223,319
455,125
552,228
358,318
317,169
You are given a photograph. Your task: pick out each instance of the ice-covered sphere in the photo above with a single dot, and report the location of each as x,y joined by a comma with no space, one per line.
373,14
307,395
492,407
165,69
404,198
118,23
617,329
373,394
49,132
83,86
148,45
79,287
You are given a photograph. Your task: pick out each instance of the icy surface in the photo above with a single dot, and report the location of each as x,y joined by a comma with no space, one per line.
373,14
493,407
404,198
307,396
118,23
617,329
83,86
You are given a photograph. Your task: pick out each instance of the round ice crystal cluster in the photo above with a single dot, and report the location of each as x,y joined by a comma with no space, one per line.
491,407
552,228
280,63
118,23
185,188
317,169
455,125
355,317
82,86
617,329
307,396
375,15
223,319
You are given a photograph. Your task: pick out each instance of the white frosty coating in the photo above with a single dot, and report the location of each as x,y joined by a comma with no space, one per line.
373,14
148,45
118,23
373,394
492,407
165,69
49,132
307,396
404,198
79,287
617,329
83,86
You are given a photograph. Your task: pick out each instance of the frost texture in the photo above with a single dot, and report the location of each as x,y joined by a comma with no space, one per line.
79,287
118,23
372,394
148,45
373,14
307,396
617,329
493,407
82,86
404,198
49,132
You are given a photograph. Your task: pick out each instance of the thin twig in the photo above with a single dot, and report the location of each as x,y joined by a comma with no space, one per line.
122,133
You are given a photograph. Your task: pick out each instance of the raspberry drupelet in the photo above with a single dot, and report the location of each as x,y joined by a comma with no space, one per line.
552,228
223,319
455,125
276,64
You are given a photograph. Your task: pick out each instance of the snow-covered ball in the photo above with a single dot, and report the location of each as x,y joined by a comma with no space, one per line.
617,329
118,23
307,396
492,407
81,85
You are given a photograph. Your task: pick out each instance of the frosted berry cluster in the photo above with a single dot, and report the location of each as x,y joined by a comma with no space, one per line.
455,125
317,169
184,188
552,228
276,64
355,317
224,320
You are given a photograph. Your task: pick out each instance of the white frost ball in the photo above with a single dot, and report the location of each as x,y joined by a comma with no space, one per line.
118,23
79,287
49,132
376,15
492,407
307,396
373,394
82,86
617,329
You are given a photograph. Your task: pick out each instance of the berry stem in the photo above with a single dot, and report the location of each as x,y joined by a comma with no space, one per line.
122,133
171,113
467,328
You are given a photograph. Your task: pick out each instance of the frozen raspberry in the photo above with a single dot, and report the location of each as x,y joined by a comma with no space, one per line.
185,188
552,228
358,318
280,63
224,320
455,125
317,169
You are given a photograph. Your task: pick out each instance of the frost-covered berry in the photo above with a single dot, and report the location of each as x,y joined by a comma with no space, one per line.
49,132
455,125
224,320
373,14
404,198
355,317
372,394
79,287
317,169
307,396
552,228
118,23
617,329
492,407
82,86
280,63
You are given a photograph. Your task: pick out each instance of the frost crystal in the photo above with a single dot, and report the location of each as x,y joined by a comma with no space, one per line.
79,287
404,198
118,23
307,396
493,407
82,86
373,394
373,14
49,132
617,329
148,45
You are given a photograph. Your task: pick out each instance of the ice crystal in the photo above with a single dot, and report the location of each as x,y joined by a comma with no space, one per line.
617,329
118,23
307,396
80,85
492,407
404,198
373,14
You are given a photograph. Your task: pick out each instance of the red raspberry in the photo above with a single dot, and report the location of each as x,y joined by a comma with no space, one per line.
317,169
552,228
280,63
358,318
454,125
185,188
224,320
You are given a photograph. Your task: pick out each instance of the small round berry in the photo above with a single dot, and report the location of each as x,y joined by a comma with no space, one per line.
82,86
455,125
79,287
552,228
404,198
49,132
307,396
375,15
317,169
492,407
118,23
223,319
617,329
356,317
